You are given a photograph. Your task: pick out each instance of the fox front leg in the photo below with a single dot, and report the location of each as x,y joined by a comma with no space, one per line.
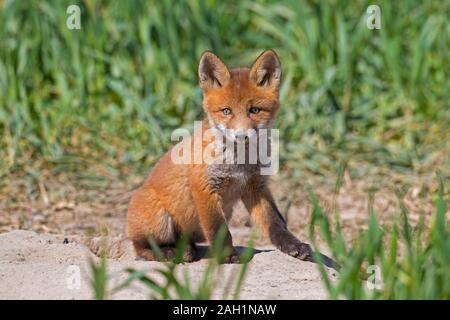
212,219
260,204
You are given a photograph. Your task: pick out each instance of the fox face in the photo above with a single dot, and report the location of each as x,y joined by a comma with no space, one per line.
240,102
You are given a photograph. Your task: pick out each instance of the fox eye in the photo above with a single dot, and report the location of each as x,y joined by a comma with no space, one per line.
226,111
254,110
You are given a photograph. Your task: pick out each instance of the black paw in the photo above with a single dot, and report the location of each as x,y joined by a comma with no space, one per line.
234,257
191,253
297,249
168,254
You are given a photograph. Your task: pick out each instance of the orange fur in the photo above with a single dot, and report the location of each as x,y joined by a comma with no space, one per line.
179,199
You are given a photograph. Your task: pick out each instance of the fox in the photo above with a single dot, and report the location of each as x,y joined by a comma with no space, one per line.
197,198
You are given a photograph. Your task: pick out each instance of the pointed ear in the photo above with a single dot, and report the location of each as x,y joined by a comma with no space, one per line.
212,72
266,70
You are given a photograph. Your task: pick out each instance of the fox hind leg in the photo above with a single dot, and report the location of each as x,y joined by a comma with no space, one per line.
168,252
161,230
143,251
150,221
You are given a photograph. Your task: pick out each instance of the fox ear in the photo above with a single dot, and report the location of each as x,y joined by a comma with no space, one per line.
212,72
266,70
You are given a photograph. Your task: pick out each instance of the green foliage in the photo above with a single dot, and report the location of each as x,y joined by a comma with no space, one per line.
113,91
99,278
172,285
414,263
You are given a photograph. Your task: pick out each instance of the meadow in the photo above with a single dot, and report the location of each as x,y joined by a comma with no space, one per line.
113,91
98,105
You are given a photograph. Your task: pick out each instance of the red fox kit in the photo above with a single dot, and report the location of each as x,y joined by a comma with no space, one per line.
197,198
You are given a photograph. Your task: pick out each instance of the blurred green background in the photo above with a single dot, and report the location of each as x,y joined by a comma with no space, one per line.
111,93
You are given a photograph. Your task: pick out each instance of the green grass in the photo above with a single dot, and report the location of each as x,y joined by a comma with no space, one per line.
413,261
99,278
175,284
112,92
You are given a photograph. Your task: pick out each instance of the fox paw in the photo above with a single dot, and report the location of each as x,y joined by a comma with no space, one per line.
234,257
191,253
168,254
297,249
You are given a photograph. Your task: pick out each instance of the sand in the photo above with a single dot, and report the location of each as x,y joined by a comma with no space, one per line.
44,266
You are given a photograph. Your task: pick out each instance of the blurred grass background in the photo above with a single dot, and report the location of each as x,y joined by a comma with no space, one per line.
110,94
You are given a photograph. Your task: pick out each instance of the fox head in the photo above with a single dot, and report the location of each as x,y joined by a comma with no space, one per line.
240,101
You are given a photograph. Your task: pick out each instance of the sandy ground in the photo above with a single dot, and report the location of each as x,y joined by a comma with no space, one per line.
42,266
39,264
